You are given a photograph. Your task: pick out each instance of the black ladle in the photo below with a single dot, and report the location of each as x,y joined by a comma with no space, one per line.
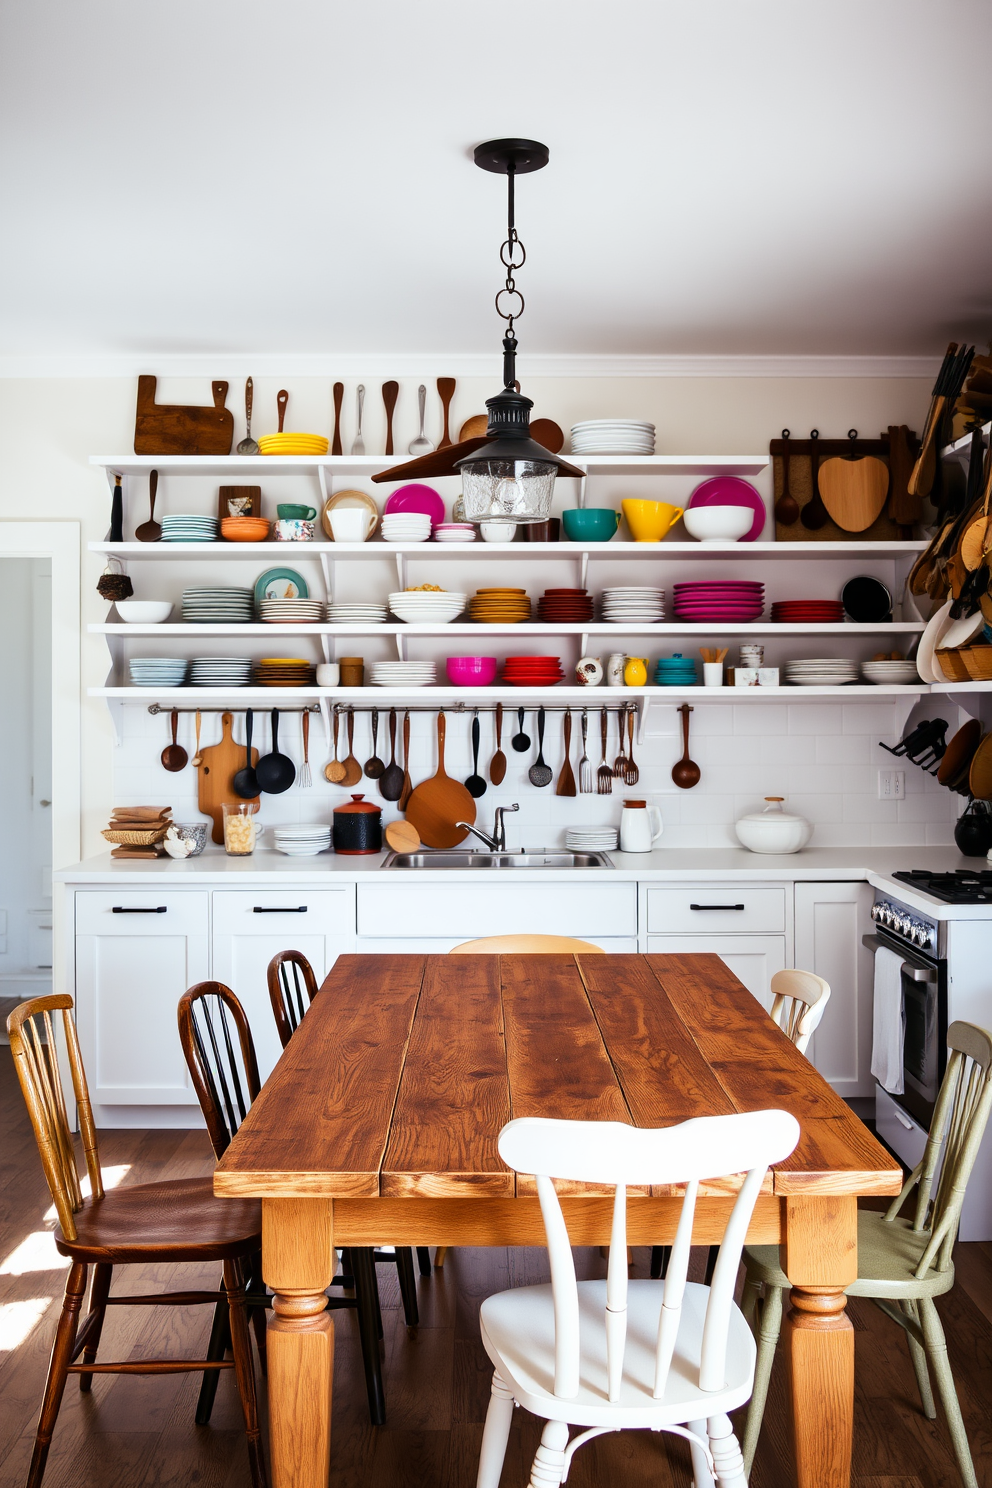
275,772
245,781
475,785
391,784
520,741
540,773
814,514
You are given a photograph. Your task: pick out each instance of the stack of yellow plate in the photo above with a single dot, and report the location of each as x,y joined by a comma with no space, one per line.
499,606
293,444
284,671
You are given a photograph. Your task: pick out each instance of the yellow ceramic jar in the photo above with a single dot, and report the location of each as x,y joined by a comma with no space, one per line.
635,673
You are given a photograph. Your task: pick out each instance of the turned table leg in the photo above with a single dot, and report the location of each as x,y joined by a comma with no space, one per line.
820,1258
298,1263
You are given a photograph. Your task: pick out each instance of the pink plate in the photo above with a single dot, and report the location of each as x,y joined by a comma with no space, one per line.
730,490
416,498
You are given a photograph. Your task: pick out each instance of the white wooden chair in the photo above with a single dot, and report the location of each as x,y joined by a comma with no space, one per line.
799,1000
526,945
617,1354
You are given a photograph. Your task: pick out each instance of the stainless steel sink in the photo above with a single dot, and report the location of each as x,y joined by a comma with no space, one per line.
464,857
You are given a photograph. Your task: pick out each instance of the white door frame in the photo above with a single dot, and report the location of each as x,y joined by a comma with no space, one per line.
59,542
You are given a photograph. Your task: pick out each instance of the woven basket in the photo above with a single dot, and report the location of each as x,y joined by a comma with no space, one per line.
135,836
978,660
953,664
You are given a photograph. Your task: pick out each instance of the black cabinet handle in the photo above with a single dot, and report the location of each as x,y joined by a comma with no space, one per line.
716,906
278,909
120,909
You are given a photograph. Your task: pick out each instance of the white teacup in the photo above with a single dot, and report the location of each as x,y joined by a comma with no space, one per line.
498,532
350,524
328,674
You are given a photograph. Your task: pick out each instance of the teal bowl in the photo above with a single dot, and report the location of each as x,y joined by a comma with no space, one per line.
590,523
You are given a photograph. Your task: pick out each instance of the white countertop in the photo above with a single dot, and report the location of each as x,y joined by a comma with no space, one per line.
214,869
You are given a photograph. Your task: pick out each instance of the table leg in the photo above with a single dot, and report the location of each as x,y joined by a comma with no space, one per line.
820,1258
298,1263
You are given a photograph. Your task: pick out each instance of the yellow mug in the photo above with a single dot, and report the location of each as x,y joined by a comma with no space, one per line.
650,520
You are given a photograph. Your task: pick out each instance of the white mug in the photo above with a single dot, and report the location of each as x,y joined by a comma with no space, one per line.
350,524
328,674
636,833
712,673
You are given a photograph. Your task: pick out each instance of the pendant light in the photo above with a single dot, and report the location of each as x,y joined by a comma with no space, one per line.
506,475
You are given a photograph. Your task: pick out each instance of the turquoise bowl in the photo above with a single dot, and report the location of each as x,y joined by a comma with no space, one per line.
590,523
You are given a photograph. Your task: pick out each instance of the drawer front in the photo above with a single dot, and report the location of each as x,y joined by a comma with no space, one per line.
706,909
461,911
284,911
140,912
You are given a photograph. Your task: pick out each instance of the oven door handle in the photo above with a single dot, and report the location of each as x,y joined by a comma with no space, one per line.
917,971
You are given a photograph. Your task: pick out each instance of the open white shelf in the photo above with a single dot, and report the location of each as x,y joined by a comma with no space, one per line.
591,697
369,465
285,633
441,551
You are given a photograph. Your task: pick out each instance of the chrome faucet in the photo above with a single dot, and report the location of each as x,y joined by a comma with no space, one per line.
497,842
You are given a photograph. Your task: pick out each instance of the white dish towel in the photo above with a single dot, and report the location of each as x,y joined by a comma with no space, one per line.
888,1022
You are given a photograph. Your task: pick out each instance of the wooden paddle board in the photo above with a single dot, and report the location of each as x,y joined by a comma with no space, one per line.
854,491
219,763
170,429
436,805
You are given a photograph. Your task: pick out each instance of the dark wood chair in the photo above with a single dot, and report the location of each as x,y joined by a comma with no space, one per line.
292,988
220,1053
148,1223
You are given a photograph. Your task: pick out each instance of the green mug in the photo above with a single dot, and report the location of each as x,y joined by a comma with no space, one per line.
289,512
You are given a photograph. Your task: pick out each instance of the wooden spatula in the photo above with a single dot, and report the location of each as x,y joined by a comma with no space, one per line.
437,804
446,391
854,489
566,780
389,392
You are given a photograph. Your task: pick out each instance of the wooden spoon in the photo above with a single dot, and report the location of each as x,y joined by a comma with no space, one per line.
391,784
786,507
814,514
282,400
566,780
389,392
174,756
336,448
196,754
352,769
497,765
685,773
375,768
438,804
446,391
407,782
334,769
474,428
150,531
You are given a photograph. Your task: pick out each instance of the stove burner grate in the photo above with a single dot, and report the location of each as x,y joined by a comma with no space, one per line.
963,886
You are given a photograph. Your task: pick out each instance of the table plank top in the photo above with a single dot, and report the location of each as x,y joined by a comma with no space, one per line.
403,1071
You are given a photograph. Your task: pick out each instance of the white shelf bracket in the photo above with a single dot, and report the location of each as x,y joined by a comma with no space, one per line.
325,718
400,639
401,570
325,566
581,495
642,705
584,570
324,492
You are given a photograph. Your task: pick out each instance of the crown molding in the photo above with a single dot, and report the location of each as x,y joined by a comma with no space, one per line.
459,364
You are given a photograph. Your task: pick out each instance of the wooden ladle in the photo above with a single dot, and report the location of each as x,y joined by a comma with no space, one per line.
686,772
786,507
174,756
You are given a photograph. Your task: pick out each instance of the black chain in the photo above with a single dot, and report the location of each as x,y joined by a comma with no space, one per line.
509,259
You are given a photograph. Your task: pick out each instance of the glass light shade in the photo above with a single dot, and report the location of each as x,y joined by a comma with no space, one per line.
508,490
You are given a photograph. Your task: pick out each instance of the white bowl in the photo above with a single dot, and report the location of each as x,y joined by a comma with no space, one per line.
713,524
143,611
773,830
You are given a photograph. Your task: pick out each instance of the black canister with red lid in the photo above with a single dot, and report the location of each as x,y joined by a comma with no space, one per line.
357,827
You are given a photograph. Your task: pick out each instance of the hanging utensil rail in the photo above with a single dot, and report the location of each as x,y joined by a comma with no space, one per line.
158,708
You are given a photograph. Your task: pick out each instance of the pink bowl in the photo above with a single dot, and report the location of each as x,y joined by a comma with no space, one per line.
471,671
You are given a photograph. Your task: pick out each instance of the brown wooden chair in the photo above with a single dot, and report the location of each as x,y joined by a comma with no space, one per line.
148,1223
220,1053
292,988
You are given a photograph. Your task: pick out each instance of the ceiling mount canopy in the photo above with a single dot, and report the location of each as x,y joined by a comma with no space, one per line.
506,475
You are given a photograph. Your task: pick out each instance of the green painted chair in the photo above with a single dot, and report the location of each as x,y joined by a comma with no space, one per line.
903,1263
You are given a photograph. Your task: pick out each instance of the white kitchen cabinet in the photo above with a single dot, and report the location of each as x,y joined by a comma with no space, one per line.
754,959
440,946
137,951
251,926
446,913
830,920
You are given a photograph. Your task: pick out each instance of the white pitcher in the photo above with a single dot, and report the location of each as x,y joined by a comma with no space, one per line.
637,820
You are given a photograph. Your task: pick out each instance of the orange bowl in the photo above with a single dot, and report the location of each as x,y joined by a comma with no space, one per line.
244,529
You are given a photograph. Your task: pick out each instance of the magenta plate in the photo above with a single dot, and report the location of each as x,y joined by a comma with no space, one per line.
730,490
416,498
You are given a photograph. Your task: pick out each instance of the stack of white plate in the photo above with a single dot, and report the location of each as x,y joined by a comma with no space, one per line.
189,529
157,671
346,613
427,606
633,606
822,671
288,611
220,671
613,437
454,532
894,673
591,839
406,527
302,839
402,674
219,606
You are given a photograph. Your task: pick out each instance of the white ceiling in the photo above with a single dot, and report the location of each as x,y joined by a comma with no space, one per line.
738,177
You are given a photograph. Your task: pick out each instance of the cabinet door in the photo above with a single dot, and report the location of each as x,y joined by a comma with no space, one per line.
250,927
137,952
830,919
407,907
372,945
754,959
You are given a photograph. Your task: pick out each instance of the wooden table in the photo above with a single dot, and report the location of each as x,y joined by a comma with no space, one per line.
379,1124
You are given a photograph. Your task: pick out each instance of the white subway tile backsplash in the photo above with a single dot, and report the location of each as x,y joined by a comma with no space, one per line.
812,718
767,719
842,749
894,834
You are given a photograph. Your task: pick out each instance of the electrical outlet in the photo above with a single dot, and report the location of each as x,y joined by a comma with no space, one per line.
891,785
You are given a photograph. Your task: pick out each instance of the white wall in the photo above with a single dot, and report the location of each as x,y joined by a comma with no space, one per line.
48,429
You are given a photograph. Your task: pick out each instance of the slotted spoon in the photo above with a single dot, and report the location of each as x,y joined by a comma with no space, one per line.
604,775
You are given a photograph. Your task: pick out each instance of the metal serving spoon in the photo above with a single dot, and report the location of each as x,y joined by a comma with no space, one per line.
421,445
248,445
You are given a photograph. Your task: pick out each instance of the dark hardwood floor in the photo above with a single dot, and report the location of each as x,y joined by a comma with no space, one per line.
133,1431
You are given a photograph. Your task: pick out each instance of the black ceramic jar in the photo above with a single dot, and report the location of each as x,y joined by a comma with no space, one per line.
357,827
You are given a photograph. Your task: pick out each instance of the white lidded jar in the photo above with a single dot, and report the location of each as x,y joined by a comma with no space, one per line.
773,830
640,826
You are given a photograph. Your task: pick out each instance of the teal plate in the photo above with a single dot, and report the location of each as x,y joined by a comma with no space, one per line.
280,583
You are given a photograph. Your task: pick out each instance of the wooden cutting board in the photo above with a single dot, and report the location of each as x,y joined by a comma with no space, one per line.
170,429
219,763
437,804
854,491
